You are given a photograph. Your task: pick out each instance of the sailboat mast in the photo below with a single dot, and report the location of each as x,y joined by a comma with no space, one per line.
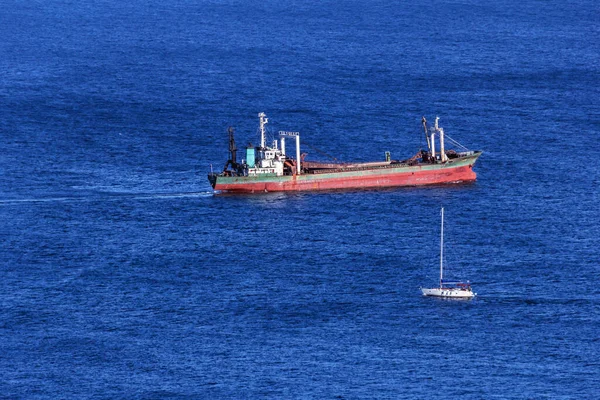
442,250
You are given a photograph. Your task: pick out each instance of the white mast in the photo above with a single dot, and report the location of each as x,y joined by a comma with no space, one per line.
442,250
442,149
298,167
437,129
443,157
263,121
433,144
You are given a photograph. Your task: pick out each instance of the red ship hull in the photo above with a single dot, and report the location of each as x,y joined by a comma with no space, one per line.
460,170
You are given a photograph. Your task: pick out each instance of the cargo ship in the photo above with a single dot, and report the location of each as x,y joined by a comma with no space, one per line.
269,167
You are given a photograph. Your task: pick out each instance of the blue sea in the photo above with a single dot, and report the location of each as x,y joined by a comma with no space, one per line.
123,276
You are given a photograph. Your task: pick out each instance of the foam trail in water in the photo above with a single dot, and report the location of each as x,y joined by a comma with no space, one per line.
120,196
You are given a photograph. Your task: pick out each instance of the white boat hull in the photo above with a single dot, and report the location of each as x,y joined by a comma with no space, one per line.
448,292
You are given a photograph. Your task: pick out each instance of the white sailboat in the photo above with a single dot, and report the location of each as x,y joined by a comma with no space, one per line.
448,289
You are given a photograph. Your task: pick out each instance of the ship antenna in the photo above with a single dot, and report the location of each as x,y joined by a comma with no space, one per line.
263,121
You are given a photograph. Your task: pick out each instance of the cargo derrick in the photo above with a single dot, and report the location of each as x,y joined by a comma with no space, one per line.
232,155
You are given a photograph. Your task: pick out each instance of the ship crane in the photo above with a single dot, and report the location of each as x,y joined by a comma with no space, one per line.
424,122
232,151
430,137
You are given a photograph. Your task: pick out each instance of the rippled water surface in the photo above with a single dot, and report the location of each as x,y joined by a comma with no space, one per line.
124,276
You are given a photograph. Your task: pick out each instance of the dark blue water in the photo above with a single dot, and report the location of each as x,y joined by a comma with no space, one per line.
123,276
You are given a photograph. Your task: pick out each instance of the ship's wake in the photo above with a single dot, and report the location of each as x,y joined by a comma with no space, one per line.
106,197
